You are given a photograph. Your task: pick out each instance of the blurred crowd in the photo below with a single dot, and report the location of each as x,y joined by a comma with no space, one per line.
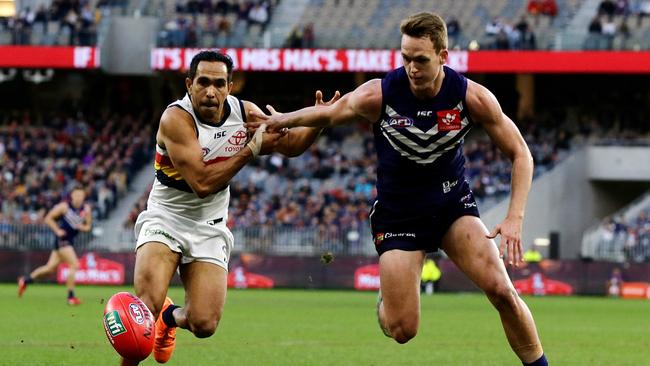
42,159
61,22
611,23
632,237
221,20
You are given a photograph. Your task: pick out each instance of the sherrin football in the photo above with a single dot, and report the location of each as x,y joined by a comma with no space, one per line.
129,326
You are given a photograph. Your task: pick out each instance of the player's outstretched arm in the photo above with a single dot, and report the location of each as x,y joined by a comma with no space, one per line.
177,134
297,140
362,104
485,109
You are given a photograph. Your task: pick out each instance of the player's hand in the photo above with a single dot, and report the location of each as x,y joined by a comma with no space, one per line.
60,233
272,121
319,98
510,230
270,141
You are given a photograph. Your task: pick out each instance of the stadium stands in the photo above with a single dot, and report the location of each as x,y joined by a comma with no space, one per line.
493,24
622,237
42,159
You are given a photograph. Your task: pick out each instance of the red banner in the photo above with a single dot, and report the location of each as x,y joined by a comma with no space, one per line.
367,278
319,60
329,60
239,277
635,290
49,57
94,270
538,284
559,62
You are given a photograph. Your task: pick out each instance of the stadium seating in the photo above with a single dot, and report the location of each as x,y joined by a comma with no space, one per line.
41,160
502,24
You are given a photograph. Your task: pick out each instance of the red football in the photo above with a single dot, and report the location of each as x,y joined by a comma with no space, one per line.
129,326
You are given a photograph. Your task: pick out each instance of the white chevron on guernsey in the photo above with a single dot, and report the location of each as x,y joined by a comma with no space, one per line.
423,135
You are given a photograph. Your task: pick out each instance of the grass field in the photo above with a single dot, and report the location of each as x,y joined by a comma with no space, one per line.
294,327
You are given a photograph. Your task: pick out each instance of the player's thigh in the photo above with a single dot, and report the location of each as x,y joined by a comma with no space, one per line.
400,272
54,259
155,264
205,290
68,255
466,244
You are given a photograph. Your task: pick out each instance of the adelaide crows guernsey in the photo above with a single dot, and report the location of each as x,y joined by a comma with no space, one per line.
419,144
218,143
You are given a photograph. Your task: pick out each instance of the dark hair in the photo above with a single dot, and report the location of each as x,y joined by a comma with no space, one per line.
77,187
210,56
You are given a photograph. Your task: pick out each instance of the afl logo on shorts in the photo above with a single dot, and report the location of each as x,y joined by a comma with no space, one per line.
379,237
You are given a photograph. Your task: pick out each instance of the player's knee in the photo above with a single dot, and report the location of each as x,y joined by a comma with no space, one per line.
503,297
403,331
73,266
202,325
203,328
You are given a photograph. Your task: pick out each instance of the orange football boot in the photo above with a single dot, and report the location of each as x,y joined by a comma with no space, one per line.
165,340
74,301
22,286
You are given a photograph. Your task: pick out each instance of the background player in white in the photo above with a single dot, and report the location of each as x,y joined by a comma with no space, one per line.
65,219
201,145
421,85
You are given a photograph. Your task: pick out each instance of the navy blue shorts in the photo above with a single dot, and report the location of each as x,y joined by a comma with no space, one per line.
61,242
423,231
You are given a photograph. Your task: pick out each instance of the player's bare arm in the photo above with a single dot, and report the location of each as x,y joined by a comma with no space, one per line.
51,217
177,134
361,105
485,109
297,140
87,224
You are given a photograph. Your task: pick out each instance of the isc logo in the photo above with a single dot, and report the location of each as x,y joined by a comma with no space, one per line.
219,134
425,113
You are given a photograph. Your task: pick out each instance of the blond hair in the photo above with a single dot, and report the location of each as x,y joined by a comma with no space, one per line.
426,24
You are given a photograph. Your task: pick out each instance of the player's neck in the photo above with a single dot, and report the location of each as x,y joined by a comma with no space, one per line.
434,87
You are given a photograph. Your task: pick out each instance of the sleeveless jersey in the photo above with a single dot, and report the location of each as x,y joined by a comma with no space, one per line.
69,222
218,142
419,144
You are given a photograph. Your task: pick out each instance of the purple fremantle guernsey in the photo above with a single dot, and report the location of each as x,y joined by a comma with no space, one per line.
419,144
71,220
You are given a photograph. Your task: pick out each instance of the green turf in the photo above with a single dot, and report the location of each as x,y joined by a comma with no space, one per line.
294,327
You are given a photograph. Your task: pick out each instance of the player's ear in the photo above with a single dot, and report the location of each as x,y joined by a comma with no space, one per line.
230,84
443,56
188,84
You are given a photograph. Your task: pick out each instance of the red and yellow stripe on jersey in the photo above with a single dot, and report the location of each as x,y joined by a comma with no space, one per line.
166,173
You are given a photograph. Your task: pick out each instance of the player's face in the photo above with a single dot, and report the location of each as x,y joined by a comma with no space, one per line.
423,65
78,196
209,90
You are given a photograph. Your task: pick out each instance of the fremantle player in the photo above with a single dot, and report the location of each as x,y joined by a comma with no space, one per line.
66,219
420,114
200,145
